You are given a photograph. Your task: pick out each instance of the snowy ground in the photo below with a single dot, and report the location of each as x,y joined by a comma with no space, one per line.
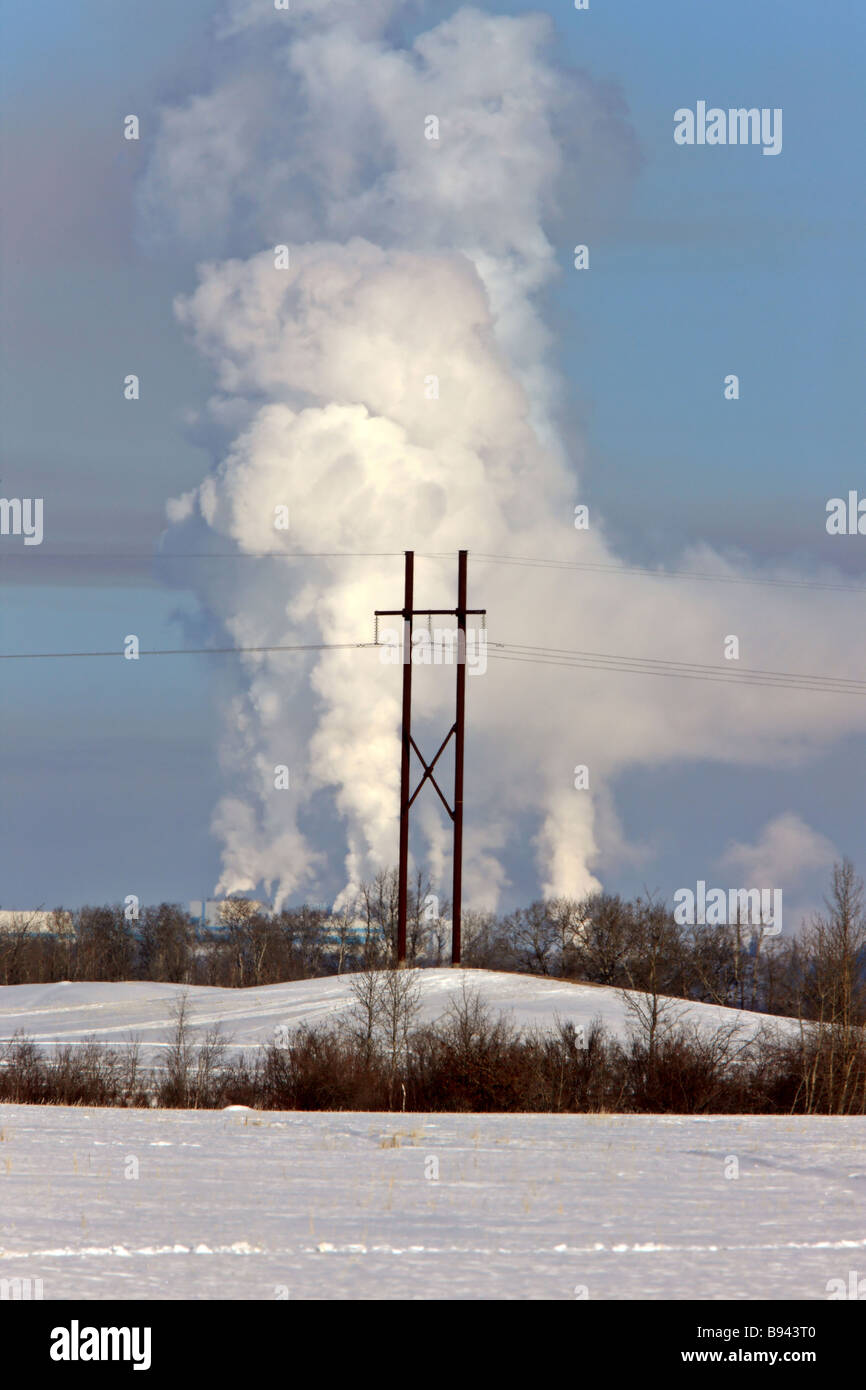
114,1012
247,1205
244,1205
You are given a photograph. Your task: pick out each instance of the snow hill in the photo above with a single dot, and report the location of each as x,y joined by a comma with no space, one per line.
70,1012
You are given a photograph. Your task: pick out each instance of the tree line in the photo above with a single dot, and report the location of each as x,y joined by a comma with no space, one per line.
379,1058
818,975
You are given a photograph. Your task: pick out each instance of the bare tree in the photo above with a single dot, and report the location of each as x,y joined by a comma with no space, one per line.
486,944
385,1005
651,967
419,901
603,935
652,1018
12,943
191,1067
166,940
535,933
399,1004
378,907
835,995
342,926
178,1056
249,935
105,944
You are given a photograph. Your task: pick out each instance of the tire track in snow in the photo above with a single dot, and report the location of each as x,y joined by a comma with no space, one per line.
326,1248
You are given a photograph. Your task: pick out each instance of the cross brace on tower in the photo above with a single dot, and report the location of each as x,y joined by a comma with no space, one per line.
407,613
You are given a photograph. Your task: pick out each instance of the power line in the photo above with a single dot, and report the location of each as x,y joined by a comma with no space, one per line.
192,651
599,568
577,660
529,561
208,554
693,665
723,678
530,655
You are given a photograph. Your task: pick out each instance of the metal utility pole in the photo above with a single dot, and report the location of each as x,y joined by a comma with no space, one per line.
405,757
458,729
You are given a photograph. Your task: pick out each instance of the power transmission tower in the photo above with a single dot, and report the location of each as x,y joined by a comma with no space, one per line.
408,612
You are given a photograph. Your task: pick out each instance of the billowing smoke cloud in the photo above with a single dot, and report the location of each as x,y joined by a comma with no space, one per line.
786,850
391,387
372,18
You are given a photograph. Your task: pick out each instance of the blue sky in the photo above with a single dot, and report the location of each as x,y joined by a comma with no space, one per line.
735,263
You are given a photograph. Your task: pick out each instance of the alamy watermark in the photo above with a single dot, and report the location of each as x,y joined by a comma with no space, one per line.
846,517
21,1290
76,1343
736,126
22,516
855,1287
438,647
719,907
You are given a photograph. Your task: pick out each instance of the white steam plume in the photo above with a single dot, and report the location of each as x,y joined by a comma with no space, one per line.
413,258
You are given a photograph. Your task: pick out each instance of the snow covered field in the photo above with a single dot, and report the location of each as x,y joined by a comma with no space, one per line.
245,1205
262,1205
113,1012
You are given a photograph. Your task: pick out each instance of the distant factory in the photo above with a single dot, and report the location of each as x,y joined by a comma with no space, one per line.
34,920
209,912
